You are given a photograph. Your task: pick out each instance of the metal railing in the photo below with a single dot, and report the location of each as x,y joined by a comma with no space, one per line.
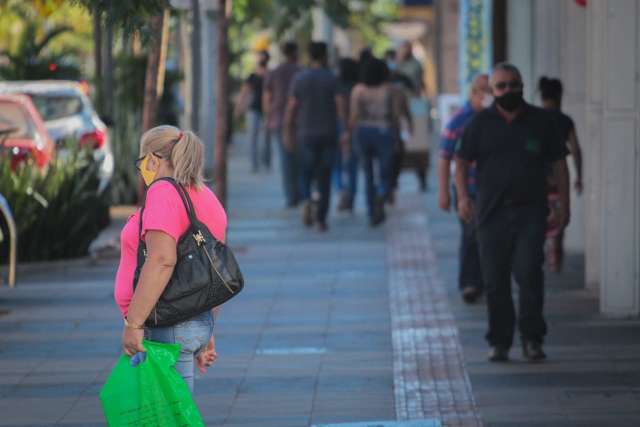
13,239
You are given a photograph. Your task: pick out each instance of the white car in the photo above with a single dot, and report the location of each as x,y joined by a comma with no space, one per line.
68,113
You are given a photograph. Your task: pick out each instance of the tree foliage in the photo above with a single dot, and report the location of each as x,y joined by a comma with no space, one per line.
128,16
28,56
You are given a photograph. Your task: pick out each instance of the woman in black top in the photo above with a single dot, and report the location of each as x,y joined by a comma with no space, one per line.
250,101
551,95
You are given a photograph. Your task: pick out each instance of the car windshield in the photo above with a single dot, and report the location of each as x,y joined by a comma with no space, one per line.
13,116
53,107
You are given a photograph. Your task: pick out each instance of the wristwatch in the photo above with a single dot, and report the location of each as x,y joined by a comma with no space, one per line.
131,325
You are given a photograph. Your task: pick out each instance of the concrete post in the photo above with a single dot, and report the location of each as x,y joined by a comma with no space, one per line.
209,75
614,148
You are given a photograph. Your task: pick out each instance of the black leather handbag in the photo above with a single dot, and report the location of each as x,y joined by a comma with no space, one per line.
206,273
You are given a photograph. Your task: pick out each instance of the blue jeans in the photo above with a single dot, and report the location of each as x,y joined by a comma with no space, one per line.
346,168
289,164
317,157
470,274
193,335
375,149
260,143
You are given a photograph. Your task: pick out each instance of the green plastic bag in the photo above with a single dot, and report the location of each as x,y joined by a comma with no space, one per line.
151,394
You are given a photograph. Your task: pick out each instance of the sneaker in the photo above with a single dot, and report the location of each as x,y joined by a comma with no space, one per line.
378,216
470,294
532,351
498,353
307,213
344,202
391,197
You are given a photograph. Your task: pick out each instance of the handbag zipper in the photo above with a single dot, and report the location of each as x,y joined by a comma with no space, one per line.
199,238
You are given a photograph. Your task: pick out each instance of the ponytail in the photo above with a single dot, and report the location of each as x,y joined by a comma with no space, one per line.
187,159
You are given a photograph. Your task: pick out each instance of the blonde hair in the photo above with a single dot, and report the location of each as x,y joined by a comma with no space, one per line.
183,149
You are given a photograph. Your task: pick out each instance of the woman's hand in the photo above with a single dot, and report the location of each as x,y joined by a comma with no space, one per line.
465,209
206,357
578,186
132,341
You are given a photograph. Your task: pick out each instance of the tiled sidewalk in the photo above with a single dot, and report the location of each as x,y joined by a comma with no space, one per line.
355,325
429,373
307,343
592,375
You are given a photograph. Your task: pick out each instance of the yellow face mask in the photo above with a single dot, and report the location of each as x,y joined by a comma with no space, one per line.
147,175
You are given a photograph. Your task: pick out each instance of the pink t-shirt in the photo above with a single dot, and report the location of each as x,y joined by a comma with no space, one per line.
164,211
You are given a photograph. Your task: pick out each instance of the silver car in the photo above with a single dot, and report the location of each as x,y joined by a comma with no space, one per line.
68,113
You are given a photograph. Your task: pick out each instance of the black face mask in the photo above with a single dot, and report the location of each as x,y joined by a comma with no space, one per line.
510,101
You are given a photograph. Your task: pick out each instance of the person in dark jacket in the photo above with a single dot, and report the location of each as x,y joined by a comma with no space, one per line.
514,144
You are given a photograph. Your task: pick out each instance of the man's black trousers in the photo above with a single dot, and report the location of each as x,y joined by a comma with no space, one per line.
511,241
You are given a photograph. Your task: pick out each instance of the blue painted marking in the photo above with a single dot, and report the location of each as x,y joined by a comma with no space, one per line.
413,423
293,350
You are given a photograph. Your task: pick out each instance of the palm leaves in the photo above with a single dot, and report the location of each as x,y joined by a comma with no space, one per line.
26,59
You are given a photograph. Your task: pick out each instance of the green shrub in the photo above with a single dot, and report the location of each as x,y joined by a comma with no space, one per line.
58,212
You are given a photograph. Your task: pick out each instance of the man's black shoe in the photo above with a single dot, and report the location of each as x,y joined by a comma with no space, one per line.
308,213
532,351
378,216
498,354
470,294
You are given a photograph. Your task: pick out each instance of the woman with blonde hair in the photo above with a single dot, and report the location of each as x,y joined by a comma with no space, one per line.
166,152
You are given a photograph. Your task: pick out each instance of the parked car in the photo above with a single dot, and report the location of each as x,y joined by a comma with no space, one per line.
23,131
68,114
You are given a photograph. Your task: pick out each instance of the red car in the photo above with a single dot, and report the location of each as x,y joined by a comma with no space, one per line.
23,132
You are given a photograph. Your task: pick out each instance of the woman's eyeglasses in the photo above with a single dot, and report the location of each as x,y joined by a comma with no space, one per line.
513,84
138,161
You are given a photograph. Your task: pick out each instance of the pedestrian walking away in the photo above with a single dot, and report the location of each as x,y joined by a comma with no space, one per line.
470,281
374,118
551,95
345,170
513,144
403,132
250,101
166,151
311,123
277,85
407,65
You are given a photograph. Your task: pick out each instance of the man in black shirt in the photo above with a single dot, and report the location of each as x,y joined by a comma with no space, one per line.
513,144
311,123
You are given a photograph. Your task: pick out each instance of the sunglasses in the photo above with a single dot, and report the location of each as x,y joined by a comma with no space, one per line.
138,161
513,84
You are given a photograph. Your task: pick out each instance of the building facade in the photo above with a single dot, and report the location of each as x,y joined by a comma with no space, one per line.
593,46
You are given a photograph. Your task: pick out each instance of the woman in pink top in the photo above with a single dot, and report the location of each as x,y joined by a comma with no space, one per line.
165,151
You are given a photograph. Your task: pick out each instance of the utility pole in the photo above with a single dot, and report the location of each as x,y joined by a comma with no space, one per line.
222,105
196,66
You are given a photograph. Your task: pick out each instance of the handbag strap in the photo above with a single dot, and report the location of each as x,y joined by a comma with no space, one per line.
184,196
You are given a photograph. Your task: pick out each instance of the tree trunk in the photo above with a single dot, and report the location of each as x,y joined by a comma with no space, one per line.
154,78
222,106
196,66
97,57
107,71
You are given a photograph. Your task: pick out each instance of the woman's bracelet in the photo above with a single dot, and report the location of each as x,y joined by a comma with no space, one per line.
131,325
